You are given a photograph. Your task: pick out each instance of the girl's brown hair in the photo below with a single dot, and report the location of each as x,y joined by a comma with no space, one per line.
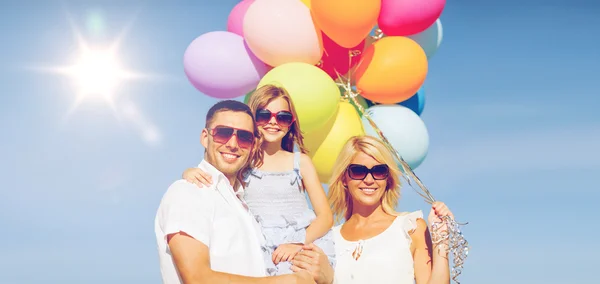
259,100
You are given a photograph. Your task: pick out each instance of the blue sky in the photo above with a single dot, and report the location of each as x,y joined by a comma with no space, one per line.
510,112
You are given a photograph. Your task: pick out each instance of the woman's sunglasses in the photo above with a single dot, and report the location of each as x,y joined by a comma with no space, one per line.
222,135
360,172
284,118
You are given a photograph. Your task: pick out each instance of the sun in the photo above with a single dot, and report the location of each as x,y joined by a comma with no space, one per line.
97,73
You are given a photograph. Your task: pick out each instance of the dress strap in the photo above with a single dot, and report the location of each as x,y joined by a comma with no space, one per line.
297,161
298,177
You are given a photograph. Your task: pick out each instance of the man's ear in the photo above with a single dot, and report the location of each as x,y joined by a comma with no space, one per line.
204,138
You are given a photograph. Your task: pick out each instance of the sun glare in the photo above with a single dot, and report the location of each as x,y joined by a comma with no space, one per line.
97,73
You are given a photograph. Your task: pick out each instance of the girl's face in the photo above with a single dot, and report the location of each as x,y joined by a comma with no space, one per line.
274,120
366,180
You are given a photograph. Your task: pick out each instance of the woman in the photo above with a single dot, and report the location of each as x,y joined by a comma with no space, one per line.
377,244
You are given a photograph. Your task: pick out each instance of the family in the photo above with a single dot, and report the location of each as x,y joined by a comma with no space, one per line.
242,216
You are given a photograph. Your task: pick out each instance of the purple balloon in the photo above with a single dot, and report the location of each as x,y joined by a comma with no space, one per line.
220,65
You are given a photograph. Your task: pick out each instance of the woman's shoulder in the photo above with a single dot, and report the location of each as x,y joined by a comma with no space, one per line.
408,222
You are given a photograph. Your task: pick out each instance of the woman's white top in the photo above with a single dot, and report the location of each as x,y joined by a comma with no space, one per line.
384,258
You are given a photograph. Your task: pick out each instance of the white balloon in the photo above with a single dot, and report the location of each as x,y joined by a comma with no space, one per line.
403,128
430,39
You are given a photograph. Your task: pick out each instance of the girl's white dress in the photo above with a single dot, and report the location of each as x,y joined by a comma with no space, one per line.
385,258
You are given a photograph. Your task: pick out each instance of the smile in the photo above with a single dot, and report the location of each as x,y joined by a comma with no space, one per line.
271,130
228,157
368,190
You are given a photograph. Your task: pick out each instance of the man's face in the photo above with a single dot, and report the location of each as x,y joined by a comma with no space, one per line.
226,141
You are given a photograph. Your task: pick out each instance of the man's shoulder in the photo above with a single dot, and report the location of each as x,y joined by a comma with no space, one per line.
184,190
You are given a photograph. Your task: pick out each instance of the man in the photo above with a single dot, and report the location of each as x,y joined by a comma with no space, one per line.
208,235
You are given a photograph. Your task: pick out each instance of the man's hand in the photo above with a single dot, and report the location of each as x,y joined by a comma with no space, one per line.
304,277
314,260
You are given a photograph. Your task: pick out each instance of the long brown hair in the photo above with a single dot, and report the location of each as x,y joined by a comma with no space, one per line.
259,100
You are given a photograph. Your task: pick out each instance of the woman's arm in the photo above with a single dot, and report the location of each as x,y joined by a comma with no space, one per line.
324,221
431,262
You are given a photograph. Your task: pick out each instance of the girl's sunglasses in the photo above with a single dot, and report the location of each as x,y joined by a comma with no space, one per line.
284,118
360,172
222,135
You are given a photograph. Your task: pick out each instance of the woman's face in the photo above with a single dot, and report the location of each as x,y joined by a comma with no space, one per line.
274,120
366,180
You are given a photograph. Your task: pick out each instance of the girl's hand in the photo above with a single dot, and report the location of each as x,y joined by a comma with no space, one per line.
286,252
197,176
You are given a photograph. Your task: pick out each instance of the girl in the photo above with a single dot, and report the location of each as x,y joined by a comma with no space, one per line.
376,244
275,184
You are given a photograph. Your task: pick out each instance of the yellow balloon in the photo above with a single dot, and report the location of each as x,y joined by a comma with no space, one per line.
306,2
315,95
325,144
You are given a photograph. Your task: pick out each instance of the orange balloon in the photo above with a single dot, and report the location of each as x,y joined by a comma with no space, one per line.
347,22
392,70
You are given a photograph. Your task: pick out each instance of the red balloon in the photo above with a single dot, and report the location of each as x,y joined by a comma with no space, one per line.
337,58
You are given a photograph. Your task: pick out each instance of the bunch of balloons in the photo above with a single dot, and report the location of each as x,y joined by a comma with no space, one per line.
313,48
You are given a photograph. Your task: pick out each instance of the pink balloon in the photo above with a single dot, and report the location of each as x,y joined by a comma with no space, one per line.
282,31
408,17
235,22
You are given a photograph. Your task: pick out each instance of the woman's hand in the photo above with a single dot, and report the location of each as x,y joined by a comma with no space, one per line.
438,211
197,177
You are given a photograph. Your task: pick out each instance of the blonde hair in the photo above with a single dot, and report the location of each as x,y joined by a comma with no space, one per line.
339,198
259,100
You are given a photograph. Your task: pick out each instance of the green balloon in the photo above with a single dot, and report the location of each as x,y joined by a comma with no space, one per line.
361,101
247,97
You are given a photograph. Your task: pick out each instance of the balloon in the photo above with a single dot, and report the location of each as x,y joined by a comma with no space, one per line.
337,59
347,22
315,95
325,144
361,101
235,22
247,96
430,39
392,70
220,65
306,2
282,31
408,17
403,128
416,103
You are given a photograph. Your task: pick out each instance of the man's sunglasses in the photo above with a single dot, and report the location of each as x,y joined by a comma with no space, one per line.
222,135
360,172
284,118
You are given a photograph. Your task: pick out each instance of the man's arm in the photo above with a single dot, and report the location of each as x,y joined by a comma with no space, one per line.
192,260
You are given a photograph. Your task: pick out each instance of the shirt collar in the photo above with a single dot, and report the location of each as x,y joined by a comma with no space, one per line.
207,167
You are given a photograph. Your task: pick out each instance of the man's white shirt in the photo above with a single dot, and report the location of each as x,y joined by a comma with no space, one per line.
215,217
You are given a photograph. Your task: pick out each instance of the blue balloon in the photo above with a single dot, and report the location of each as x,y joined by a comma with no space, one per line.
374,30
404,129
430,39
416,103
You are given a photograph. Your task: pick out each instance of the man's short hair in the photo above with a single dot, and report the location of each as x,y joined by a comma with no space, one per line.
228,105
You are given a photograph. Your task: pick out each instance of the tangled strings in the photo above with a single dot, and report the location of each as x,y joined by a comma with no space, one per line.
451,235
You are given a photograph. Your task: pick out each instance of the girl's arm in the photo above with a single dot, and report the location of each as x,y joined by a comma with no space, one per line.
197,176
431,262
324,221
